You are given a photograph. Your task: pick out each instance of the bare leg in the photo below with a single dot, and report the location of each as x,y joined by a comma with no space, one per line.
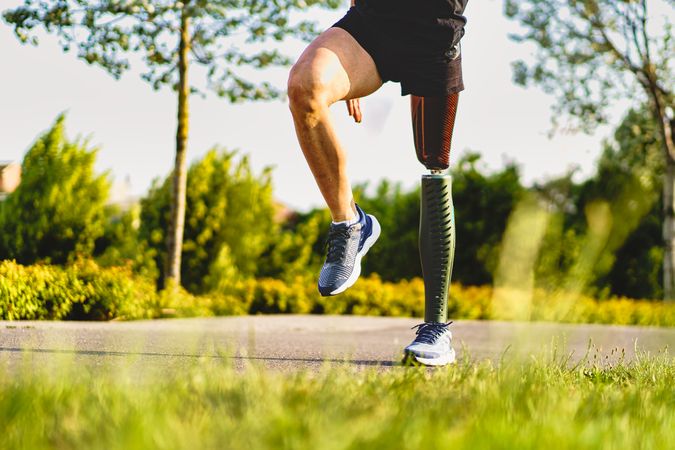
334,67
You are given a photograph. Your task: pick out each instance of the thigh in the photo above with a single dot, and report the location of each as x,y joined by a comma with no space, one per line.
337,64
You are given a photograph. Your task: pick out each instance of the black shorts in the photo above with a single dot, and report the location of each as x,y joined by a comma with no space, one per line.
426,64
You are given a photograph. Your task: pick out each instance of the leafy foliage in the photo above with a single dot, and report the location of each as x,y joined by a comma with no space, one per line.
221,36
86,291
292,251
226,34
630,177
483,204
591,52
398,213
229,219
57,212
121,243
624,258
81,291
373,296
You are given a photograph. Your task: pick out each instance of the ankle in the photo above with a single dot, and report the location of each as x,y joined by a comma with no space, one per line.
350,216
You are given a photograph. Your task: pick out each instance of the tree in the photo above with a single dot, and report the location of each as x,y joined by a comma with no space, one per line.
628,181
219,35
629,177
230,219
591,52
57,212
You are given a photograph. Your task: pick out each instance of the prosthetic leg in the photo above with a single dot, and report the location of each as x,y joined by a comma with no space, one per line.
433,122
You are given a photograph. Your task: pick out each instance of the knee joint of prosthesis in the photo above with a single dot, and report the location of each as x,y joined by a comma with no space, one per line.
433,123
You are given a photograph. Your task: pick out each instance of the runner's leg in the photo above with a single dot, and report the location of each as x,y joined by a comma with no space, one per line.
334,67
433,123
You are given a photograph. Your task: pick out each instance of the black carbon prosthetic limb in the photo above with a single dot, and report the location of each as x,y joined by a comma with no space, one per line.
433,121
437,244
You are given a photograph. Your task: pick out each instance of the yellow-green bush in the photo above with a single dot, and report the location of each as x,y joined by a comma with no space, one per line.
86,291
183,304
37,292
374,297
83,291
112,292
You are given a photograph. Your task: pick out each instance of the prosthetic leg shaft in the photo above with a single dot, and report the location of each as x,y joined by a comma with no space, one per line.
433,122
436,244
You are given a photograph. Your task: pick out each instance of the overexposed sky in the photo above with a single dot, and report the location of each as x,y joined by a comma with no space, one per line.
135,126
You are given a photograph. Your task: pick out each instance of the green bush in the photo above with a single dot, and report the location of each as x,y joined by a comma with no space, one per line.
112,293
57,212
37,292
82,291
86,291
229,219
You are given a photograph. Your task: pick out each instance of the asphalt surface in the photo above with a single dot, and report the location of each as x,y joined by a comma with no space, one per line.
301,342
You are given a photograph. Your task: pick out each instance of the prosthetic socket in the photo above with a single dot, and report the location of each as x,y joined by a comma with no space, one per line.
433,123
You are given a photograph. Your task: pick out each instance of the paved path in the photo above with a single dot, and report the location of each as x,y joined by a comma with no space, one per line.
289,342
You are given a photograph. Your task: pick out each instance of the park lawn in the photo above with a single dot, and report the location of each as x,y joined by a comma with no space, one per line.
540,403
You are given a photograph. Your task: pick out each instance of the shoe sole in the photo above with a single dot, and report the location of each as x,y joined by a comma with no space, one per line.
411,359
356,273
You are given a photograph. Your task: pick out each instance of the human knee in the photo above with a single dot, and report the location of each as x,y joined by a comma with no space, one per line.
305,91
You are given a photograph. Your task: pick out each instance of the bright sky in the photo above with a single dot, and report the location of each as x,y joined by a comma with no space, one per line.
135,126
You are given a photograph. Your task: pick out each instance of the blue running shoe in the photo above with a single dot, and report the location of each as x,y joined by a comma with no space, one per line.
346,246
432,345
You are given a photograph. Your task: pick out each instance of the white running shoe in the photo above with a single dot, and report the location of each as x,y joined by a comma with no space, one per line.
347,244
432,345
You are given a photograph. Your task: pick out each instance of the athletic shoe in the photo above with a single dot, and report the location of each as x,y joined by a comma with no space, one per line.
346,246
432,345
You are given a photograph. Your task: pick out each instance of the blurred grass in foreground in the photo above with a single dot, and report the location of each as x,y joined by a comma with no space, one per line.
539,403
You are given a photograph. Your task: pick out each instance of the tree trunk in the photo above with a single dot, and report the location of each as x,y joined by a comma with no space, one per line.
666,130
660,100
669,230
177,221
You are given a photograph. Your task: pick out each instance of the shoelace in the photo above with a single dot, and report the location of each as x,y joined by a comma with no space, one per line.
429,332
337,243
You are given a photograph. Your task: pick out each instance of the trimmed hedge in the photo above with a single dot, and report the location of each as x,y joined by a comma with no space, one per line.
86,291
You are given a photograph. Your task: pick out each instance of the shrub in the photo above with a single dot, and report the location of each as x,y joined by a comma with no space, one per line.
112,292
37,292
229,219
86,291
57,212
82,291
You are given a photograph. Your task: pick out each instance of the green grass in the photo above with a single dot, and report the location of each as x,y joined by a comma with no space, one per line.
541,403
